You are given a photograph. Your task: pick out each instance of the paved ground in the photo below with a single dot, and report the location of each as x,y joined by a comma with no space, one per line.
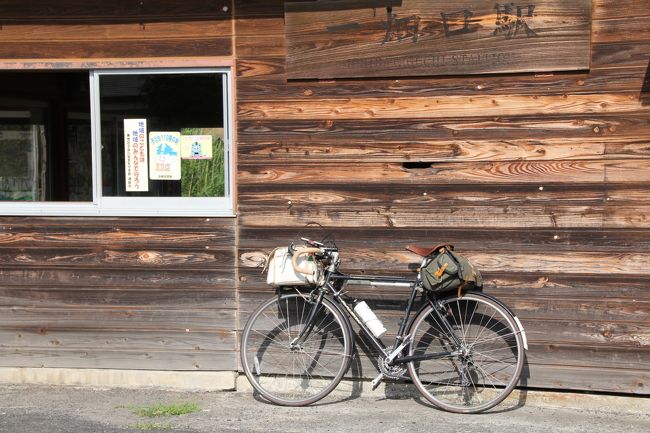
38,409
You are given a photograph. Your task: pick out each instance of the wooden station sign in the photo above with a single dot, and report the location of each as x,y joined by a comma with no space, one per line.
397,38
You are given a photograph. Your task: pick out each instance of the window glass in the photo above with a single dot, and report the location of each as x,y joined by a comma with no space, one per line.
162,135
142,142
45,137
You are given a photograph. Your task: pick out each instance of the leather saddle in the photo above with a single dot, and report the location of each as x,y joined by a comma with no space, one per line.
427,251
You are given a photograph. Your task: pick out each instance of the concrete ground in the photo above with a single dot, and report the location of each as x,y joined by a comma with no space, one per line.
36,409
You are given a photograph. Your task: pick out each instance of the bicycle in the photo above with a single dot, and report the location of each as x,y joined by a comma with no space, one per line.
463,351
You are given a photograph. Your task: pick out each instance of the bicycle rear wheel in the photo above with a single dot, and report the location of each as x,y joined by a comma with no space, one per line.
295,375
477,367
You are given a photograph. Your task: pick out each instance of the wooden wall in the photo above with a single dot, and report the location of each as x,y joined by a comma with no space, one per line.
79,29
132,293
542,179
122,293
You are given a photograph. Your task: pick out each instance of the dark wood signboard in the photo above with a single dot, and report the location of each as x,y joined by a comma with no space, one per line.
367,38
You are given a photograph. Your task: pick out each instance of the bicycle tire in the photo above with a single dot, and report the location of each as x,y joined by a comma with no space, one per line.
480,373
295,376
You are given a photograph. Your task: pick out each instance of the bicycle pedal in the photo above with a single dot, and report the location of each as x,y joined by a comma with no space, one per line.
376,381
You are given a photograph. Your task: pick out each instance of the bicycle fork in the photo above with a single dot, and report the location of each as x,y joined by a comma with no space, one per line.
304,333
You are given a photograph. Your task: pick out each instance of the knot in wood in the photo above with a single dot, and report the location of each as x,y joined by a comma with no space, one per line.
149,257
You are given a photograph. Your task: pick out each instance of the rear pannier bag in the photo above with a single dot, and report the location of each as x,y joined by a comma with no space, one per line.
448,270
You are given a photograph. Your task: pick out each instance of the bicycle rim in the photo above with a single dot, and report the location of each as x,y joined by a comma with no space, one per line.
295,376
476,374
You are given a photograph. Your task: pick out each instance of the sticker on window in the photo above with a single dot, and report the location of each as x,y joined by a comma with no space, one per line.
165,155
196,147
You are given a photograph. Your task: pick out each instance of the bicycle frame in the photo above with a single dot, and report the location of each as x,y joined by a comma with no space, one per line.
335,282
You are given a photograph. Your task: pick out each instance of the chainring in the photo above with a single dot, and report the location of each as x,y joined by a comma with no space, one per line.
392,371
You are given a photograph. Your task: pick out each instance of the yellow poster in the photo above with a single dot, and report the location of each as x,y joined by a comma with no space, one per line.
196,147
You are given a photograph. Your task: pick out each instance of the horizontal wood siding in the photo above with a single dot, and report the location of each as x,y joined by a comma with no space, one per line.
134,293
75,29
541,179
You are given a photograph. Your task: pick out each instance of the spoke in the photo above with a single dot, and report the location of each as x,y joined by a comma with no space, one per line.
483,329
317,362
326,352
288,318
279,324
488,375
267,339
497,337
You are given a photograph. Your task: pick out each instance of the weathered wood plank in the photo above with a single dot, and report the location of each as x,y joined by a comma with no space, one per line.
595,81
200,360
418,37
39,257
363,196
21,235
523,239
525,172
183,298
174,31
134,278
117,49
552,126
444,106
576,263
618,55
512,217
115,340
113,318
607,9
253,46
589,379
220,226
526,285
451,150
622,29
93,11
589,356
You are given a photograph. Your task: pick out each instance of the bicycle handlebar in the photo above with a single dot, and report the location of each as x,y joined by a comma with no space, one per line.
299,251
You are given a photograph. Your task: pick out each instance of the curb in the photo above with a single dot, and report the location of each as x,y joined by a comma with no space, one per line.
518,398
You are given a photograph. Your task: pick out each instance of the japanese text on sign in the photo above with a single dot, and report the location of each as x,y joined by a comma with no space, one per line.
135,155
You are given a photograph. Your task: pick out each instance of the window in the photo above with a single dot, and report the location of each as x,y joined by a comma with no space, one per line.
116,142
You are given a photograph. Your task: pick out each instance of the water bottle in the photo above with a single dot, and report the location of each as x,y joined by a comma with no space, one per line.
369,319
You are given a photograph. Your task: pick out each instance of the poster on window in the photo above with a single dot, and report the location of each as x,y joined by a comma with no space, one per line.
165,155
135,155
196,147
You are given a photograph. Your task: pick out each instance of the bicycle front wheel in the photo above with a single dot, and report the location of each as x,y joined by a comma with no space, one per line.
289,373
478,366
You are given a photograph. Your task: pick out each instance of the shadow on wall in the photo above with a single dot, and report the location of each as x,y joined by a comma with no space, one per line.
644,97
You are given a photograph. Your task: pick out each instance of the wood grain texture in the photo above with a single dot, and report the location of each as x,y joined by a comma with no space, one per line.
445,106
529,172
539,178
155,293
93,11
416,37
128,29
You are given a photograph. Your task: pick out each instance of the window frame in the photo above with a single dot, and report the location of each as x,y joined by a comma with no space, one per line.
141,206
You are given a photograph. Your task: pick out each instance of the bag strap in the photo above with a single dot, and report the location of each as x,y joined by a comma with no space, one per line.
461,270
